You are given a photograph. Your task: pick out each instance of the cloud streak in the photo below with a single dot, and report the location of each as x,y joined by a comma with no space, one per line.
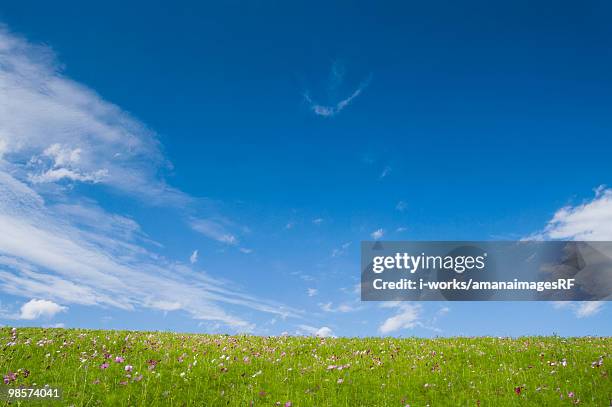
333,109
53,129
44,255
58,247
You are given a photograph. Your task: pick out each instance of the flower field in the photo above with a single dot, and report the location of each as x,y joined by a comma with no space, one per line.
151,368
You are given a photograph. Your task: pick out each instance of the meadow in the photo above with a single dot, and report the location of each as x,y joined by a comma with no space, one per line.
95,368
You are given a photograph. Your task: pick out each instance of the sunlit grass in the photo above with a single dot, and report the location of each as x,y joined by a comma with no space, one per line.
152,368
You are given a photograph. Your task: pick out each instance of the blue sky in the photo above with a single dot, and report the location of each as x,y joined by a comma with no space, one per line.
272,138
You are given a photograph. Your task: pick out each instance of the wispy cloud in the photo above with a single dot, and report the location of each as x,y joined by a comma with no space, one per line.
377,234
46,256
583,309
194,257
335,80
59,247
339,251
55,130
385,172
408,316
312,292
342,308
214,229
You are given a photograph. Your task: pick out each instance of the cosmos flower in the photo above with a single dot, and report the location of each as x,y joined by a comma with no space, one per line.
152,363
597,363
288,404
104,365
119,359
128,368
10,377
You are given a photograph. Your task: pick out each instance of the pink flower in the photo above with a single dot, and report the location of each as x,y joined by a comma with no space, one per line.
10,377
571,394
152,363
119,359
288,404
597,363
517,390
104,365
128,368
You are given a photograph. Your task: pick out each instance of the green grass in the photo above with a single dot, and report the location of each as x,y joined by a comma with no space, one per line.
219,370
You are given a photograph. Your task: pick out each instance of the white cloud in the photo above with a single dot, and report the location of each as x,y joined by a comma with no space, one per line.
45,255
329,307
583,309
53,129
322,332
401,206
57,244
58,162
591,220
194,257
443,311
35,309
377,234
332,110
339,251
312,292
588,308
317,221
401,229
385,172
214,229
407,317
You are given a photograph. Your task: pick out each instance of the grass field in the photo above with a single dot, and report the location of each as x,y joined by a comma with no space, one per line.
151,368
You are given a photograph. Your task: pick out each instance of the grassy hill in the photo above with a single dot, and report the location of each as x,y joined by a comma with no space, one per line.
151,368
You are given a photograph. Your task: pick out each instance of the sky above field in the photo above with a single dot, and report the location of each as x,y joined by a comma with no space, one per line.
207,167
